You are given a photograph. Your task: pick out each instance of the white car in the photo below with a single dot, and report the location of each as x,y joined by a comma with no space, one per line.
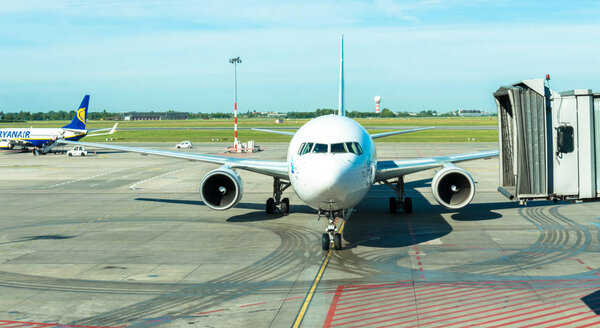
77,151
184,144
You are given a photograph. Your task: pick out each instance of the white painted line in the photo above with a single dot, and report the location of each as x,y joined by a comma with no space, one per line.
160,175
84,178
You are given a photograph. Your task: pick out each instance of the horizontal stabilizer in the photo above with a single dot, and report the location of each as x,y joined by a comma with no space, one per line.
387,134
287,133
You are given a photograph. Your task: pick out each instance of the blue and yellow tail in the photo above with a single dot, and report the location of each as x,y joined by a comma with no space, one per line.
80,118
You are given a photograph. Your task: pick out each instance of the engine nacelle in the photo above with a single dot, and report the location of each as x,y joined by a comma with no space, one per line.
221,189
453,187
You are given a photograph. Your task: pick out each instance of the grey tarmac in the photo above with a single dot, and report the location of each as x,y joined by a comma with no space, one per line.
118,239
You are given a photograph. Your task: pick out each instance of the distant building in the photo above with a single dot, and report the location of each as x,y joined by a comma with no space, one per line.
153,116
471,113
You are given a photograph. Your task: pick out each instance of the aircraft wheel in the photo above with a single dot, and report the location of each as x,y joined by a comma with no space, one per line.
285,206
337,241
35,152
270,206
393,205
82,154
408,205
325,241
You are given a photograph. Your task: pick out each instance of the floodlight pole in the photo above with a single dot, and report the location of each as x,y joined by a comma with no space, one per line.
235,61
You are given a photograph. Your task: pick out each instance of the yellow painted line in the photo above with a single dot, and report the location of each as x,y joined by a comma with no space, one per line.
313,288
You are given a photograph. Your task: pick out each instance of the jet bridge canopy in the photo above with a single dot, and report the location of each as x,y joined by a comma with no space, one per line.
549,142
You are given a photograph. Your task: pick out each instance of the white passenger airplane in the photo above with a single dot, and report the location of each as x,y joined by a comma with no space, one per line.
40,138
331,165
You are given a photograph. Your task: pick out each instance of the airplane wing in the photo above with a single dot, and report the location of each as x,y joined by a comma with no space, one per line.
287,133
387,134
391,169
110,131
276,169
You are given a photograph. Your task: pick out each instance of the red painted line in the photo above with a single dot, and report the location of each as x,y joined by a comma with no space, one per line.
589,268
253,304
589,325
452,298
580,261
439,151
291,298
437,306
432,295
557,319
470,315
373,292
207,312
418,152
395,292
471,318
538,316
333,306
453,301
578,320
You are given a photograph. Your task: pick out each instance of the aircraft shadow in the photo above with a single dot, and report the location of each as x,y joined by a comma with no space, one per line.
40,237
593,301
249,206
372,225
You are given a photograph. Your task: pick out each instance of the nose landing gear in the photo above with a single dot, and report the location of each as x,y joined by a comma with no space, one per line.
276,202
332,233
400,201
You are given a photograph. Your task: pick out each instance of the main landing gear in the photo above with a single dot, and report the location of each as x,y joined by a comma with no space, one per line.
400,201
276,202
332,234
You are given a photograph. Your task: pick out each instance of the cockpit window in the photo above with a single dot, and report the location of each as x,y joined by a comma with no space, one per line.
354,148
305,148
320,148
338,148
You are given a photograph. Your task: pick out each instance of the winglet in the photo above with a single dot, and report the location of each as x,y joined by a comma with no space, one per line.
341,108
79,120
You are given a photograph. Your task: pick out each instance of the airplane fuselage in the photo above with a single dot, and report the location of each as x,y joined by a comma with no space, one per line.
37,137
332,163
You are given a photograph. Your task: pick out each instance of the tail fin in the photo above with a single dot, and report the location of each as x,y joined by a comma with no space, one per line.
80,118
341,108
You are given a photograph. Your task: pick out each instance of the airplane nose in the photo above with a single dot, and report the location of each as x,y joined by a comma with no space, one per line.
333,180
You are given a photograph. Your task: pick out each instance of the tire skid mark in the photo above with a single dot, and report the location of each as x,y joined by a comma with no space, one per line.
559,238
263,274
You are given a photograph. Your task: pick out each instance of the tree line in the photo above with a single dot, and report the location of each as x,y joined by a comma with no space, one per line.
104,115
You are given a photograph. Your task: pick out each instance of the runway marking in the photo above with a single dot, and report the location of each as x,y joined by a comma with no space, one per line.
84,178
455,304
161,175
313,288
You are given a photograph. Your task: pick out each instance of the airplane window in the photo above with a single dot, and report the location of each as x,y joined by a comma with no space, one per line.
360,151
301,148
354,148
338,148
305,148
320,148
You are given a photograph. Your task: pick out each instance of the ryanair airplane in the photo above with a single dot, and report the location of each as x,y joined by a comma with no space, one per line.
39,138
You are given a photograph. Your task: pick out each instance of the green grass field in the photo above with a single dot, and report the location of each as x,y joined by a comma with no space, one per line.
401,121
226,134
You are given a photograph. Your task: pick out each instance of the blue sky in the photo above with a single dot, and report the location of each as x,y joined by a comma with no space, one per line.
417,54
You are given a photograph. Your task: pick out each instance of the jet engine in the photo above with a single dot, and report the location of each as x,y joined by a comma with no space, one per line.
453,187
221,189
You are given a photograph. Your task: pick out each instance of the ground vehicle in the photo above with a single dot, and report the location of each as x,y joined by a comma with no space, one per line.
184,144
77,151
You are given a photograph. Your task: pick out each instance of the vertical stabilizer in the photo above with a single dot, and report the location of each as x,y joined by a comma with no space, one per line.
341,104
80,117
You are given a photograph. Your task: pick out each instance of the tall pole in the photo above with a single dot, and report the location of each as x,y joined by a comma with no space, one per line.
235,61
